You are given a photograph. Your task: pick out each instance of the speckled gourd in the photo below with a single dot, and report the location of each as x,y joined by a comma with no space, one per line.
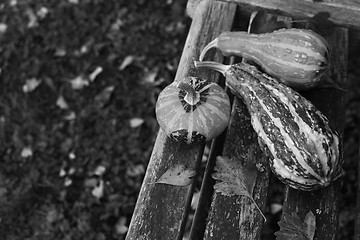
303,149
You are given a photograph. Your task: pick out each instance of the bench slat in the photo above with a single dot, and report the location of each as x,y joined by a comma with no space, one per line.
236,217
343,13
324,203
161,210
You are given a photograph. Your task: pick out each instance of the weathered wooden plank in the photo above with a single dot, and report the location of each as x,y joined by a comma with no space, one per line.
199,222
236,217
324,203
161,210
357,221
342,12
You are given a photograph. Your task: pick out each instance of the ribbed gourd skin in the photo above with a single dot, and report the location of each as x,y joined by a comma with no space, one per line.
302,147
188,123
296,57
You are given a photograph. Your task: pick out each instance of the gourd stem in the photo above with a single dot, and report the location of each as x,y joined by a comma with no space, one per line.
211,44
192,97
213,65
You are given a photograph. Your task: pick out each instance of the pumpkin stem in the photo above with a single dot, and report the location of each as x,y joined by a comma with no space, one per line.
213,65
192,96
211,44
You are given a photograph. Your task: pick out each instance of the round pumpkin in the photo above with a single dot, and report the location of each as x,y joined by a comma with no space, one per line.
193,110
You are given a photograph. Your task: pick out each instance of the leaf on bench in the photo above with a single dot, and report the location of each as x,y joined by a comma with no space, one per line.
235,179
292,228
310,224
177,175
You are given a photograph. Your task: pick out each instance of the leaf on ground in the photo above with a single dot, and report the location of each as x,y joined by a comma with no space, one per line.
150,77
95,73
291,227
134,171
136,122
263,23
177,175
26,152
120,226
61,103
33,21
128,60
3,28
234,178
31,84
98,191
103,97
79,82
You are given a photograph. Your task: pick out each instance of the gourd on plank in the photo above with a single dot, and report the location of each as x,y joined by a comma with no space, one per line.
296,57
302,147
193,110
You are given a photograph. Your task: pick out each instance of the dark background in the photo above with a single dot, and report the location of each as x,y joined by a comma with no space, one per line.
78,85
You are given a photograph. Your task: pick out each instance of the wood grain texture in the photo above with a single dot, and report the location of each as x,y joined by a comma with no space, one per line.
357,221
161,210
342,12
236,217
324,203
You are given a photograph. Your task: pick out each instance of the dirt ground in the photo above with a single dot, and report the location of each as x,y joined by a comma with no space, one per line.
78,84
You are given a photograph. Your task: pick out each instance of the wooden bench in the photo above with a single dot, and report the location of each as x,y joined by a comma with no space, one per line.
162,210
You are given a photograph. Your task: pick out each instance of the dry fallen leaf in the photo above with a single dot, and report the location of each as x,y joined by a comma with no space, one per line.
42,12
150,76
3,28
100,170
310,224
33,21
177,175
126,62
98,191
31,84
120,226
61,103
95,73
103,97
292,228
26,152
136,122
235,179
134,171
79,82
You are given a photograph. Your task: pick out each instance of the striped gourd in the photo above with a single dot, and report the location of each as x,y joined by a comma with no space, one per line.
303,150
193,110
296,57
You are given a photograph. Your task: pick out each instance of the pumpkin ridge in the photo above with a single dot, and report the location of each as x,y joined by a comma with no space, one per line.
190,126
